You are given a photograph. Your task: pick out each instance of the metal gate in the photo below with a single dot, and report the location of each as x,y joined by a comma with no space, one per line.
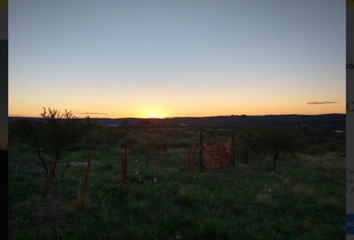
217,156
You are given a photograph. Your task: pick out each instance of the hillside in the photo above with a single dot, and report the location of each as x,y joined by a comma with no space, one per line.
326,121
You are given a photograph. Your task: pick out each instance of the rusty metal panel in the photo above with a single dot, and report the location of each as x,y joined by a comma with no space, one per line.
217,156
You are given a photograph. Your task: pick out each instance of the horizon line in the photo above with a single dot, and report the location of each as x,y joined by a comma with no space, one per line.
232,115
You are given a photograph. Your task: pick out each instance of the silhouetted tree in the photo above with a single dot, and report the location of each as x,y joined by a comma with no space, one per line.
31,134
150,143
276,140
54,135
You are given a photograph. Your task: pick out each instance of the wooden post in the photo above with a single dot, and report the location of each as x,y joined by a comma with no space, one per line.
87,172
201,165
245,139
158,165
49,177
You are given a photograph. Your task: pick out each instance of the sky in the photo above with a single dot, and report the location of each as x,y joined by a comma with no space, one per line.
117,59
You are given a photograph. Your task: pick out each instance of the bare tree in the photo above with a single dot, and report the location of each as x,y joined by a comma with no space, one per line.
54,135
276,140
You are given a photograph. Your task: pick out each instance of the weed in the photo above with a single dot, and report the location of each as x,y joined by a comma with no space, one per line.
262,198
286,181
329,202
298,190
82,200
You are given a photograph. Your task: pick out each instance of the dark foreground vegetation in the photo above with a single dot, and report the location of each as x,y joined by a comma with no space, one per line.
292,188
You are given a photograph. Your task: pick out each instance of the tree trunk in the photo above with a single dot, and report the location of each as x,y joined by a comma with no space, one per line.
55,165
42,160
53,174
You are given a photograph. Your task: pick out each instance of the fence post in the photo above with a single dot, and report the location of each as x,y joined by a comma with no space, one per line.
201,165
87,172
49,177
245,139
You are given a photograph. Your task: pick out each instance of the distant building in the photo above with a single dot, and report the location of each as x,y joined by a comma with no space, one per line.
183,124
113,125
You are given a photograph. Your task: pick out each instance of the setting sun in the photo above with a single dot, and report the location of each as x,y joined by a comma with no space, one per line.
152,113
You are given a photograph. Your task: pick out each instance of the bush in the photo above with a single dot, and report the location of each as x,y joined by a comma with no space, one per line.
131,139
182,143
104,148
275,141
316,150
54,135
77,146
333,147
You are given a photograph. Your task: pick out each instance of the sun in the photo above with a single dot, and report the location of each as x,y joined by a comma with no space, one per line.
152,113
153,116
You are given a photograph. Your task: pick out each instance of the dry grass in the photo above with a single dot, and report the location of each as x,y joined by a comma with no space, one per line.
130,197
82,200
329,202
343,228
310,193
301,210
298,190
330,161
307,225
286,181
182,192
262,198
236,207
46,217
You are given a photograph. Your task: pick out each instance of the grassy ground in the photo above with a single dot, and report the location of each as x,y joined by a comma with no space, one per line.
303,199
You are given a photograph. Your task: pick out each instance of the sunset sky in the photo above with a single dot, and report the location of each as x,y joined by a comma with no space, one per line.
176,58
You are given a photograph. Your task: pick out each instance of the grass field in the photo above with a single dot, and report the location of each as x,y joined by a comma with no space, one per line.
303,199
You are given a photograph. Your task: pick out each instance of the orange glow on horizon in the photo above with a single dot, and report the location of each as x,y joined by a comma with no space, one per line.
152,113
182,110
187,115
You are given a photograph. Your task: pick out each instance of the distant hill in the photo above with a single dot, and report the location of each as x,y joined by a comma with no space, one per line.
325,121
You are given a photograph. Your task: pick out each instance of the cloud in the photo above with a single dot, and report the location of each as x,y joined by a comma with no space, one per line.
318,103
93,113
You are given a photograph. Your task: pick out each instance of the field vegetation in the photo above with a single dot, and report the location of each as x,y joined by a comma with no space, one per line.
292,187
